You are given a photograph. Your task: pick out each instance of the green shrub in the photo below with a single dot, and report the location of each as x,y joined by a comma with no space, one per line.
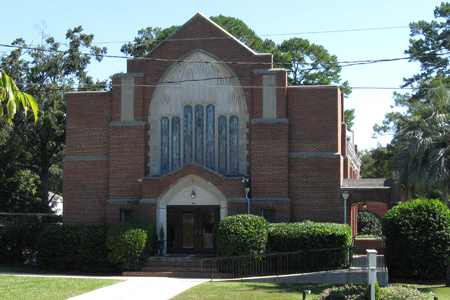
130,243
19,238
74,248
417,238
358,293
342,293
399,292
241,235
308,235
369,223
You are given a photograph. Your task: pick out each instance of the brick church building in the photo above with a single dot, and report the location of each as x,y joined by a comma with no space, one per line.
202,128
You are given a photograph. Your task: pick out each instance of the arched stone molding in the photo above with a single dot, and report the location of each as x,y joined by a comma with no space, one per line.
198,78
179,193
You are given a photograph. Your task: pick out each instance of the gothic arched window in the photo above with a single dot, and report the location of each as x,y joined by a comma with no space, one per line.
205,139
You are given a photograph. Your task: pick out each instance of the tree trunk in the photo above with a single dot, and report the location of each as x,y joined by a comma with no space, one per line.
44,187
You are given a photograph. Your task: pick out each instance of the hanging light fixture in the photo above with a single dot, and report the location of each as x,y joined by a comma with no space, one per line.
193,194
364,205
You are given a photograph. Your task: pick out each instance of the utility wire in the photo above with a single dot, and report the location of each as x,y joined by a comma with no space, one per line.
265,35
341,63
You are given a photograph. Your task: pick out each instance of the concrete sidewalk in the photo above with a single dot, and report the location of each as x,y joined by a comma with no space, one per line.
136,288
139,288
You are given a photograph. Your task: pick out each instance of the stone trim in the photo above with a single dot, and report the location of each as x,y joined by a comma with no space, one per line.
85,157
314,154
122,201
127,123
268,71
267,120
147,200
262,200
237,200
127,75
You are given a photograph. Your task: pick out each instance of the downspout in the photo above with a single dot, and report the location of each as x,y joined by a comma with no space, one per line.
247,190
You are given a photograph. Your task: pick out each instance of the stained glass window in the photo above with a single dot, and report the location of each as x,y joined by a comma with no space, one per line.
234,145
210,137
222,144
164,145
199,134
187,134
175,142
197,140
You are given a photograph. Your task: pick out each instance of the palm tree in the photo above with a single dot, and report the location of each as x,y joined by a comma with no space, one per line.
422,140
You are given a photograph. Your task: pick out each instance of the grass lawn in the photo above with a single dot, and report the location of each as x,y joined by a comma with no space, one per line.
253,290
48,288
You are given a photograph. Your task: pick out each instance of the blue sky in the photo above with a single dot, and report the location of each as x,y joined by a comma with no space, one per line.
115,22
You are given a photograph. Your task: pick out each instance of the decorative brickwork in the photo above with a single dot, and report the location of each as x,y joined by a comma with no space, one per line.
290,148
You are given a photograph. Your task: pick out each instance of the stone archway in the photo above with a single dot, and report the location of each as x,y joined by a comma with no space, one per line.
180,194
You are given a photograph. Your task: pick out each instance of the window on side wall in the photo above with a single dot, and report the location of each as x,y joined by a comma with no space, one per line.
269,214
126,215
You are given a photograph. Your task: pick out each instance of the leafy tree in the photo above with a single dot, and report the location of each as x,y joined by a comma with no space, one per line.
306,63
376,162
47,72
14,97
422,143
309,64
429,45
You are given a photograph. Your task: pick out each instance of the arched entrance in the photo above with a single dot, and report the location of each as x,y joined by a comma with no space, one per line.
188,211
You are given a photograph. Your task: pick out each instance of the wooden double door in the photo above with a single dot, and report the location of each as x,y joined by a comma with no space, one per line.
190,229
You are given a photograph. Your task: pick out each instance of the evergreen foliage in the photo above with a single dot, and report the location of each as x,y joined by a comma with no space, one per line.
417,237
130,243
241,235
308,235
369,224
74,248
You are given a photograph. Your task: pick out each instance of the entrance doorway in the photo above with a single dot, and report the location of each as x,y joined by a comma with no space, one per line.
190,228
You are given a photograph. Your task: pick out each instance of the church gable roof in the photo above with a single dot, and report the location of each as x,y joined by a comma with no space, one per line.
200,29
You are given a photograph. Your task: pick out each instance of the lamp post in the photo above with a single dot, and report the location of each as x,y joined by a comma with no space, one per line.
345,195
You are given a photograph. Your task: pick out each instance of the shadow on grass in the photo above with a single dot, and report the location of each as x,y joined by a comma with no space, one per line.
315,289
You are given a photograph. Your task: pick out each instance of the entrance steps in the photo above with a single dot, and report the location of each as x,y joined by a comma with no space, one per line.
182,266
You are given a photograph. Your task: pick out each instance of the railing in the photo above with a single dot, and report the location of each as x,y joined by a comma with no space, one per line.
283,263
360,260
280,263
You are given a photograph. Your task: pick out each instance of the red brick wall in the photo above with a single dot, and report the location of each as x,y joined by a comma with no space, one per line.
85,192
309,121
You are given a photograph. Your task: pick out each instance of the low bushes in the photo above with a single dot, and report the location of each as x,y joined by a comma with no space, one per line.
95,248
417,238
362,293
241,235
308,235
75,248
18,239
249,234
130,243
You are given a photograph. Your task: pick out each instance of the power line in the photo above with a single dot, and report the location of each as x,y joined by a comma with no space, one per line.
273,34
341,63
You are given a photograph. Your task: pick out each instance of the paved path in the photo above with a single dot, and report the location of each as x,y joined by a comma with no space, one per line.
136,288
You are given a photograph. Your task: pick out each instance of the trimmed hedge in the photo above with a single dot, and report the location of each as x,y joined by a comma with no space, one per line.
74,248
308,235
18,241
241,235
369,224
417,237
130,243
